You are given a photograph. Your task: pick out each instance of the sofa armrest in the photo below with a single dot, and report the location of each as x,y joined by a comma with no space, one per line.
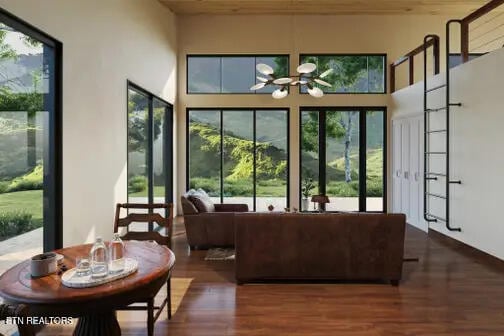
231,208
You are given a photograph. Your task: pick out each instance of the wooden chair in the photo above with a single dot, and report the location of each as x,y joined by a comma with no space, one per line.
164,222
20,311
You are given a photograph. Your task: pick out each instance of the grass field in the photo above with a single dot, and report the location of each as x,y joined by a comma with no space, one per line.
29,201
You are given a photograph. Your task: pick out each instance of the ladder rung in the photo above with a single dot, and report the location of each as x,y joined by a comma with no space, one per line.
436,195
436,109
436,217
437,131
436,88
440,153
435,174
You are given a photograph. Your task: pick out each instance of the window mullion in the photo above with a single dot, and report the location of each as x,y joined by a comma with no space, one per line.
222,156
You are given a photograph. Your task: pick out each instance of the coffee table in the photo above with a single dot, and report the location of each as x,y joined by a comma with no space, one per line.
95,307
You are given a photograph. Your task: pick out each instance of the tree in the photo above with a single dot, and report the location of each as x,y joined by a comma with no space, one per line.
29,100
138,122
347,72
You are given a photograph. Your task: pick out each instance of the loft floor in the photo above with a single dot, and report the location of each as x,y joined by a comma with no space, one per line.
453,290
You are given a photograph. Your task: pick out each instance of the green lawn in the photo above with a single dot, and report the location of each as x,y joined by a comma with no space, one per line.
158,192
29,201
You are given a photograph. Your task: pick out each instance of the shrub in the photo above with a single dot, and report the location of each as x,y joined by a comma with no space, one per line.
4,186
243,187
14,223
137,183
343,189
374,188
211,186
33,180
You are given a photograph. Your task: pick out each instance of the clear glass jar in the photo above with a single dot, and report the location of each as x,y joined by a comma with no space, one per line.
99,259
116,254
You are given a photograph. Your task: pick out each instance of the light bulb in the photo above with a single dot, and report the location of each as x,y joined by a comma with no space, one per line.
315,92
279,93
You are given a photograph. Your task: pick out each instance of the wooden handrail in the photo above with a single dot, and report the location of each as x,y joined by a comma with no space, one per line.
433,42
482,11
464,26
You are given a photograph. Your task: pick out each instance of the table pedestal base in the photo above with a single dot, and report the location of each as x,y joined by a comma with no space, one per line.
103,324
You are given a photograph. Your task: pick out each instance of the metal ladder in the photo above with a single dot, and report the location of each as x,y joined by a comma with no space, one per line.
434,176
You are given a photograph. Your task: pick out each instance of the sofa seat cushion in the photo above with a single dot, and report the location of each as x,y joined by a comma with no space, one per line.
202,202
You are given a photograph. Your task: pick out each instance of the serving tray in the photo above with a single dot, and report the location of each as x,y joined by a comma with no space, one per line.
71,279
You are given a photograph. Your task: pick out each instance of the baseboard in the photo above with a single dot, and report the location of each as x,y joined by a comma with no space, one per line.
467,250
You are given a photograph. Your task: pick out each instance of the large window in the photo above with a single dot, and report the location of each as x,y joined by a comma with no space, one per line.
230,74
240,155
30,141
352,73
150,149
343,155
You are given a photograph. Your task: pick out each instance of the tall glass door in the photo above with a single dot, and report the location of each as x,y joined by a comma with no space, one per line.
150,148
342,156
30,144
342,169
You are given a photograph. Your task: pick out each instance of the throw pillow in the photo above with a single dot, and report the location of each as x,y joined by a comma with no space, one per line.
203,203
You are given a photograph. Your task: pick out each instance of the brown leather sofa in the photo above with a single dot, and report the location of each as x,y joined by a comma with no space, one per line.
212,228
319,246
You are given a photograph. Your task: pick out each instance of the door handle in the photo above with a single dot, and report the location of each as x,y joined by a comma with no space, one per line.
398,173
406,175
416,176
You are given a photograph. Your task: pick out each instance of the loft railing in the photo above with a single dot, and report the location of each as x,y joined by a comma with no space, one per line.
465,38
409,57
465,22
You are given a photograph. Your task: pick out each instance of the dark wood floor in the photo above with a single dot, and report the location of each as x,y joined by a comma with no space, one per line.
451,291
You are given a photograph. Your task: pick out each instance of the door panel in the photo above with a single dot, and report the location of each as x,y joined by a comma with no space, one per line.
405,177
414,161
397,166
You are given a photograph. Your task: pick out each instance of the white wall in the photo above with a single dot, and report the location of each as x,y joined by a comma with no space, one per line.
105,42
476,142
268,34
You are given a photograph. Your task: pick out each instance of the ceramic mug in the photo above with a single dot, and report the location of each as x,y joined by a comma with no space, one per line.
43,264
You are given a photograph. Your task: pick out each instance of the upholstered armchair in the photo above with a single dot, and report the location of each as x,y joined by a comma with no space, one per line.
208,224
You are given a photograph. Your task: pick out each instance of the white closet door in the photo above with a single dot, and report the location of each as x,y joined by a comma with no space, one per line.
422,224
396,166
405,165
414,167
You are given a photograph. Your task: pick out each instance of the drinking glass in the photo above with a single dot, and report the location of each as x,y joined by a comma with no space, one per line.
82,266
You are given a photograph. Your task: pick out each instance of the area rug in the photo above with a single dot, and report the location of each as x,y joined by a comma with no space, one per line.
220,254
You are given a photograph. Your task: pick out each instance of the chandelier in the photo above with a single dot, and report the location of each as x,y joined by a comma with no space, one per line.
305,77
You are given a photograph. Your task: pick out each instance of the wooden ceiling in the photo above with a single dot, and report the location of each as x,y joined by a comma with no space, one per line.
329,7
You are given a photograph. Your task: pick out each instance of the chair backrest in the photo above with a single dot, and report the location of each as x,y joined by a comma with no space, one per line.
149,217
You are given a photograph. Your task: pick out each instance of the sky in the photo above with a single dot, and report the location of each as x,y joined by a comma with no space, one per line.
14,39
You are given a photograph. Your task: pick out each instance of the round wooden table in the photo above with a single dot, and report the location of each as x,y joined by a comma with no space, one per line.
94,306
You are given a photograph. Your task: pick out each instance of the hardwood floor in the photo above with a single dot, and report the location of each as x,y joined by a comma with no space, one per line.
452,290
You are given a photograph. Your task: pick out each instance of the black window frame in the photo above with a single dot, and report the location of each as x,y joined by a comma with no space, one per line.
53,185
167,144
385,77
362,151
235,56
222,109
